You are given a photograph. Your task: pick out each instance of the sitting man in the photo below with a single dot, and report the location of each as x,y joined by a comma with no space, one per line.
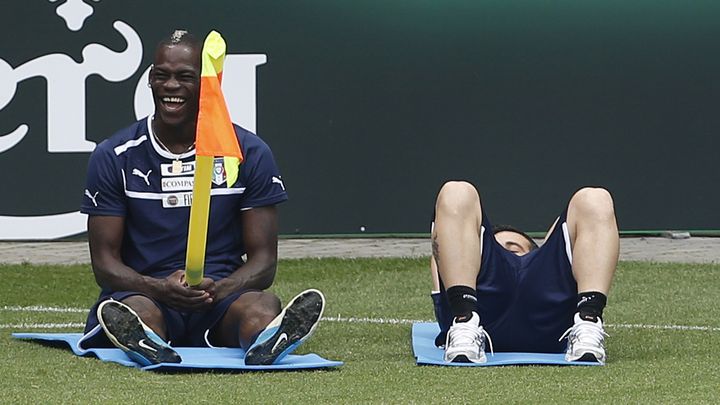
138,197
500,284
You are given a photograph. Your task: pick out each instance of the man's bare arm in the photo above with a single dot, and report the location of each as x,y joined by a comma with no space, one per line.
260,232
105,235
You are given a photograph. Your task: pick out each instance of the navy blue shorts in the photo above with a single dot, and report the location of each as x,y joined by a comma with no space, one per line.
525,302
184,329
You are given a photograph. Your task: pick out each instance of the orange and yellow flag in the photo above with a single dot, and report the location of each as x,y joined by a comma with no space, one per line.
215,134
215,137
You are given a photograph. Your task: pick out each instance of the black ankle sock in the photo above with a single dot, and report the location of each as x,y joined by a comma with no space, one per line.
591,304
463,301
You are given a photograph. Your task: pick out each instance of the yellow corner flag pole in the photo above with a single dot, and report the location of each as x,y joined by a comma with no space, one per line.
215,136
199,212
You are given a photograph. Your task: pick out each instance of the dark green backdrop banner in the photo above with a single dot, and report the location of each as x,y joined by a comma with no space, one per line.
369,106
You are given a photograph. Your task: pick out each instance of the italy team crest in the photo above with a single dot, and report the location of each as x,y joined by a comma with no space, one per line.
219,175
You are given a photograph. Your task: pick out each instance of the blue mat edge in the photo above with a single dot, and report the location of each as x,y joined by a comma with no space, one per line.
312,361
423,343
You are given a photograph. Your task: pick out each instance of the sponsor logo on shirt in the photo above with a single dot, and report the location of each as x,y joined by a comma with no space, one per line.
187,168
177,200
177,183
278,180
92,197
144,176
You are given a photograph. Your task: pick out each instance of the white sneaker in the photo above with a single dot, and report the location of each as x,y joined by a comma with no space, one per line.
465,342
586,341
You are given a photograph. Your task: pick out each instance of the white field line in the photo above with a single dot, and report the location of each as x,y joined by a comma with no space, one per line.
40,308
41,325
385,321
662,327
614,326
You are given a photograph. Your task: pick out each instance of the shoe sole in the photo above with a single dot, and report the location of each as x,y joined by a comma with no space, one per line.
126,331
589,357
461,358
299,320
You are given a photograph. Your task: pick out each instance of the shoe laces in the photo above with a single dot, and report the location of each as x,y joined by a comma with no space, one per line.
466,334
587,332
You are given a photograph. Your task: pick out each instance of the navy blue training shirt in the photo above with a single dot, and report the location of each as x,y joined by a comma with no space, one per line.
130,175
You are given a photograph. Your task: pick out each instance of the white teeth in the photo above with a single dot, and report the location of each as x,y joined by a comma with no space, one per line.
173,100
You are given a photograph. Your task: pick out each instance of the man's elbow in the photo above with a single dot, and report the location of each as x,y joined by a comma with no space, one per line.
101,279
268,275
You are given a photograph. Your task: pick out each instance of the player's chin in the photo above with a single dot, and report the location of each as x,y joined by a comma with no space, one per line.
173,118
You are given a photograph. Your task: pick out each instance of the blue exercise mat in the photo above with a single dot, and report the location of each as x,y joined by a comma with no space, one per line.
193,358
423,342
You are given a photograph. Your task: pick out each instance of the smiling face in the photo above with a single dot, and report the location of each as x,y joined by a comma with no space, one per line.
175,83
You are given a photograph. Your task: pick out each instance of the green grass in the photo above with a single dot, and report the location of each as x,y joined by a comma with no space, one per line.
645,365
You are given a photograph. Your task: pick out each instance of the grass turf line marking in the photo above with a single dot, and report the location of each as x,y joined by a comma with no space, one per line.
385,321
619,325
372,320
375,321
662,327
41,325
41,308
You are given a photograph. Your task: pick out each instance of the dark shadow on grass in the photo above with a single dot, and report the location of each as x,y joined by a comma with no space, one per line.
55,344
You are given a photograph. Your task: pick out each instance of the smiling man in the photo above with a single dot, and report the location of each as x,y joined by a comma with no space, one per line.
138,198
496,285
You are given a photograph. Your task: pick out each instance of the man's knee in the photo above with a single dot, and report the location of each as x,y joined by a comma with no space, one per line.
146,310
245,318
457,197
593,202
255,306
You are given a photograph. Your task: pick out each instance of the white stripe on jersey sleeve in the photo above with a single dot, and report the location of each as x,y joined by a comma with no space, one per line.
227,191
129,144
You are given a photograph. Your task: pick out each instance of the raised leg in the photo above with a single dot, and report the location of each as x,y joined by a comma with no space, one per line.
595,242
594,238
456,234
457,243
